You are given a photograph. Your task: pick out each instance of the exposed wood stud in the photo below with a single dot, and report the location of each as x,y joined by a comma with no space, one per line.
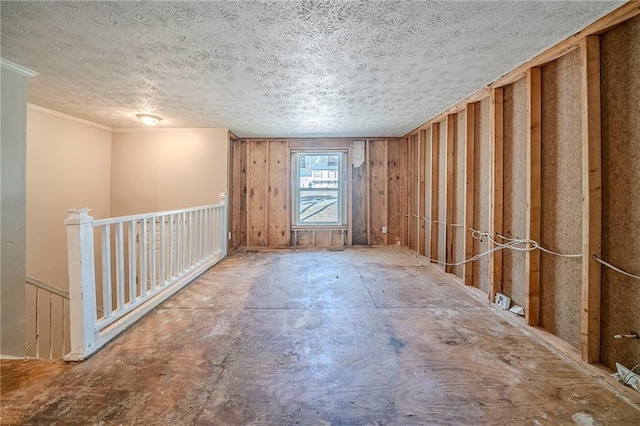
367,147
267,195
467,268
386,191
450,191
497,184
534,164
591,197
422,211
435,142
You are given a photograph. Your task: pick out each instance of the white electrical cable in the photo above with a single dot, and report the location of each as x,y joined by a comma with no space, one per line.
615,268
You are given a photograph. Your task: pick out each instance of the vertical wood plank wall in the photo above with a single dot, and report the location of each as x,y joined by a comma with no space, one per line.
521,159
261,176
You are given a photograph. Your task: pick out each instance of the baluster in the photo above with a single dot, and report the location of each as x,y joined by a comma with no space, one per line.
152,235
120,285
106,272
64,332
143,257
163,263
37,322
190,228
183,240
50,327
133,296
171,247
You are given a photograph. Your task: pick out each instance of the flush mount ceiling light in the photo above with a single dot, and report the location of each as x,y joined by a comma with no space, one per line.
148,119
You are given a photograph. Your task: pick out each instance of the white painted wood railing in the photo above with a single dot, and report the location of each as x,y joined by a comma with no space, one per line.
48,325
136,263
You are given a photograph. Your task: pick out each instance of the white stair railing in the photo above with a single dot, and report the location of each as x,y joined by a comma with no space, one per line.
49,322
141,261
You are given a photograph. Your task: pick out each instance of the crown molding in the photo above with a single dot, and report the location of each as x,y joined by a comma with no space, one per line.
11,66
69,117
166,129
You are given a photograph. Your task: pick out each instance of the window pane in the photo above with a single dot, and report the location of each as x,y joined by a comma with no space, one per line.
318,189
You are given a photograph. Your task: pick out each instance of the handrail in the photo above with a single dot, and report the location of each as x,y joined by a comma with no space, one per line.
47,287
112,220
136,262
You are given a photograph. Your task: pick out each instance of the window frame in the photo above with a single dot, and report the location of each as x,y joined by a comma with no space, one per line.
342,222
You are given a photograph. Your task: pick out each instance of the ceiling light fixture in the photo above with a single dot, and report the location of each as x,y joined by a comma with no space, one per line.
148,119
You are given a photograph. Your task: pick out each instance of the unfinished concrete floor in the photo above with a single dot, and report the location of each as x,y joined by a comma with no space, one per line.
365,336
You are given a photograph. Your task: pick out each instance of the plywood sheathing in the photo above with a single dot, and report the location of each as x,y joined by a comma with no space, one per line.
561,204
257,188
482,193
515,182
278,213
367,337
238,193
620,90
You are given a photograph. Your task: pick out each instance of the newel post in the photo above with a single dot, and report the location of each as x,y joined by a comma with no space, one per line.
224,228
82,285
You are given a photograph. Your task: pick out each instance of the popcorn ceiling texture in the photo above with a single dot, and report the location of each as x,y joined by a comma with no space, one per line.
299,68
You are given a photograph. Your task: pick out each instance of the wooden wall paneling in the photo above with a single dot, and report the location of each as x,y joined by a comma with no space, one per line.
533,223
398,192
422,137
435,186
257,193
497,185
377,190
236,192
591,197
469,173
349,240
359,210
267,195
450,190
243,197
278,214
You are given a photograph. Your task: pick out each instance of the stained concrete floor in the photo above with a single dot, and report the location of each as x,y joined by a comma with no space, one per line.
361,337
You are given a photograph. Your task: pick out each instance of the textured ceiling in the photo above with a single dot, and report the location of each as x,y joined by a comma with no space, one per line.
300,68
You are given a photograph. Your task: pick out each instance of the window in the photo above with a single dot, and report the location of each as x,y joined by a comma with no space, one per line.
318,190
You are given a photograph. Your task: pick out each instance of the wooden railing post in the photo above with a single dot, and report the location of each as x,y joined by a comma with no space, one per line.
224,238
82,288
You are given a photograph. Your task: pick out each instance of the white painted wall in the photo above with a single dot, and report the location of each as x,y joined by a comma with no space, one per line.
154,170
12,211
68,166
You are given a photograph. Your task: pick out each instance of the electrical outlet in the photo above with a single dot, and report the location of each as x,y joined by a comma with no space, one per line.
384,229
503,301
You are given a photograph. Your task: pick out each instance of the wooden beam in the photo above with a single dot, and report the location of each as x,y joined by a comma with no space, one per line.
367,185
435,142
591,197
421,161
450,191
497,186
386,191
534,163
469,172
623,13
